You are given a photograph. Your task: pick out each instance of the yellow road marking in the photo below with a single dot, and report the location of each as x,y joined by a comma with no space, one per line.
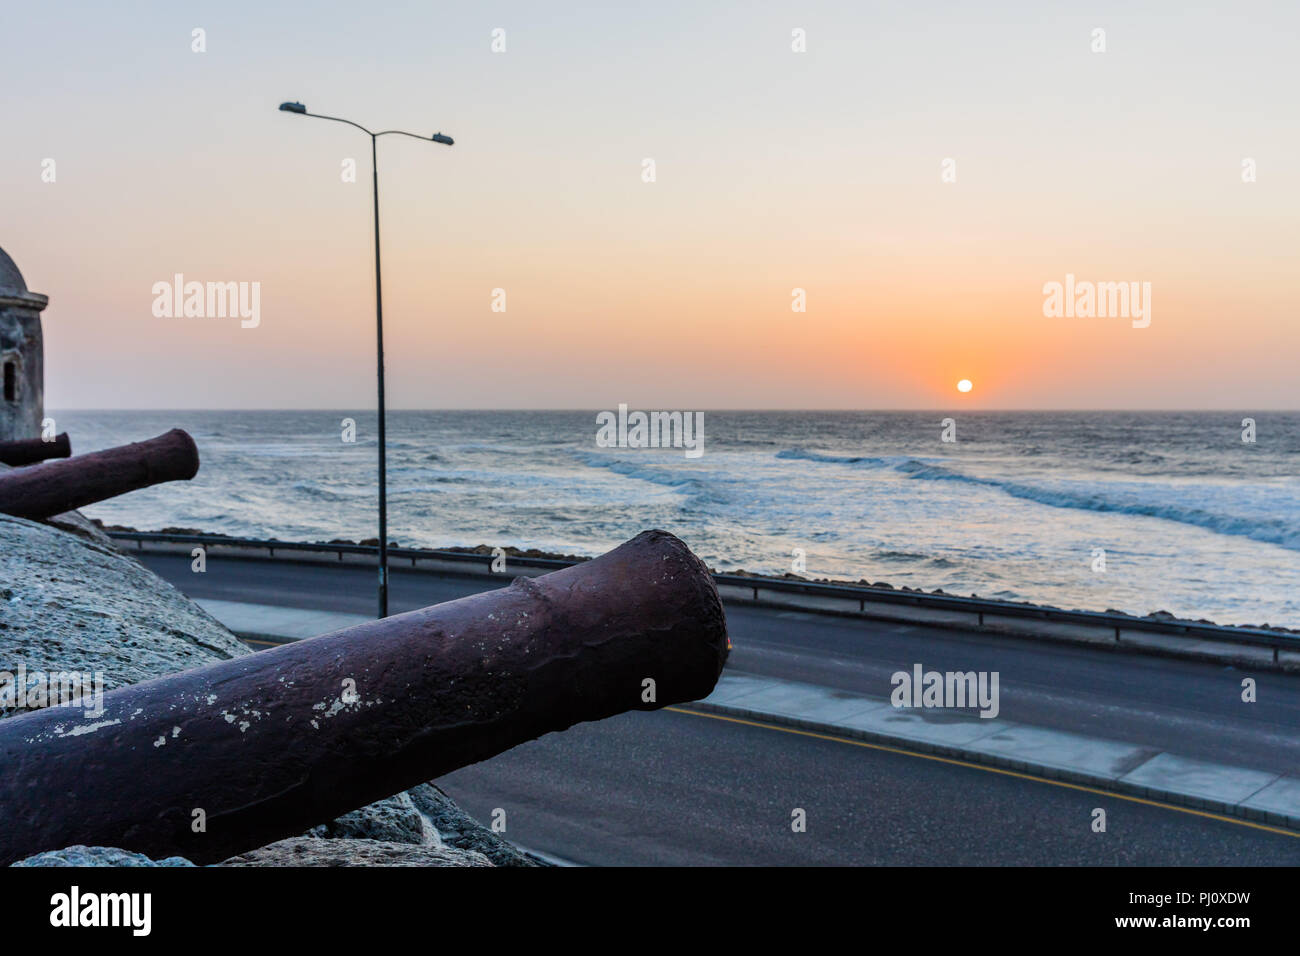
979,766
249,640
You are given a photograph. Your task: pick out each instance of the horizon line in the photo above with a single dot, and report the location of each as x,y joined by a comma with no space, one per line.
937,408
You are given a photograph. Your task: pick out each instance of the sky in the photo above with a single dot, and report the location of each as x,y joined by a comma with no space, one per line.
774,171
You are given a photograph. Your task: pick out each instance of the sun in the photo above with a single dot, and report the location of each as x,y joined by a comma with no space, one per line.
964,385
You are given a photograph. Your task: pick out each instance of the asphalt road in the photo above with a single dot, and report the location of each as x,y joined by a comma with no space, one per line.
680,788
671,788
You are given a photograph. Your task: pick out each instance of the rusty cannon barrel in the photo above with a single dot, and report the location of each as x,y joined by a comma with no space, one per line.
59,486
219,760
28,451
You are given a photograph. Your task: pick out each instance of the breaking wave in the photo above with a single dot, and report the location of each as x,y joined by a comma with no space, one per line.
1270,530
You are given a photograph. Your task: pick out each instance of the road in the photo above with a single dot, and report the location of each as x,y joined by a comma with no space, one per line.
681,788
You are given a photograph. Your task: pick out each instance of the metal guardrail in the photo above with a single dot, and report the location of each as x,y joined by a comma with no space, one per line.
977,607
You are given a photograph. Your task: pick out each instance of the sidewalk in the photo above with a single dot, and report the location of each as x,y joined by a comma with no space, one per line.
265,622
1256,795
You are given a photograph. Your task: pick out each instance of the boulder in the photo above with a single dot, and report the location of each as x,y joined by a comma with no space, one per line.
392,820
458,829
313,851
70,603
97,856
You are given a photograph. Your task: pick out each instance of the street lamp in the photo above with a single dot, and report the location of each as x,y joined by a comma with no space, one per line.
379,333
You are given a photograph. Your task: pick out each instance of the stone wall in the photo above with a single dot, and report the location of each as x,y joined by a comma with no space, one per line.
22,375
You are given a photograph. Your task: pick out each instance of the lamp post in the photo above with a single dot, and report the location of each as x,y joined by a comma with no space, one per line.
379,331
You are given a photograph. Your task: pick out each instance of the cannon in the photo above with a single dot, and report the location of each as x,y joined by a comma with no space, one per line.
28,451
59,486
218,760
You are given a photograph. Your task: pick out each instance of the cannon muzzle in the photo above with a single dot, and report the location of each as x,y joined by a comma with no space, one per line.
28,451
59,486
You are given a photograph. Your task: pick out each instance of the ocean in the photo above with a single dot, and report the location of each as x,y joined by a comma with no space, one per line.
1133,511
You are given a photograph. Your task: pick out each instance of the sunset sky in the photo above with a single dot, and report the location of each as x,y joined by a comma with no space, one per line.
775,170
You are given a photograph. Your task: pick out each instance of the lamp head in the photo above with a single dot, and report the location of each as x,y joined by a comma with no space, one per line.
293,108
439,138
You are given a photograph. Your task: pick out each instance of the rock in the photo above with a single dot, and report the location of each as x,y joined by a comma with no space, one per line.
393,820
459,829
74,523
73,604
97,856
313,851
